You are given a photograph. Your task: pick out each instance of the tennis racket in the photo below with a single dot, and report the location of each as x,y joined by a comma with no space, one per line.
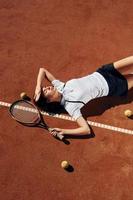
28,114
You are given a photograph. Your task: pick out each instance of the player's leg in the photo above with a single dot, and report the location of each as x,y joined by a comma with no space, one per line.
129,78
124,66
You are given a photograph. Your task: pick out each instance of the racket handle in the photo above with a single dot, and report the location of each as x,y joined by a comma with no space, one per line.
59,136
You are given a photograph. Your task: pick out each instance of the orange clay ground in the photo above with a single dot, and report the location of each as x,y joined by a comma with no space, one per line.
72,38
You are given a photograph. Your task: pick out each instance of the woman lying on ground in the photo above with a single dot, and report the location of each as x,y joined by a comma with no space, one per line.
114,79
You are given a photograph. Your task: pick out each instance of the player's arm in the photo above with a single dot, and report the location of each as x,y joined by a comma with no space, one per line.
83,128
124,62
43,73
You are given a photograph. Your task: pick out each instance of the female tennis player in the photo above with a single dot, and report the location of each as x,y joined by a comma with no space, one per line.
114,79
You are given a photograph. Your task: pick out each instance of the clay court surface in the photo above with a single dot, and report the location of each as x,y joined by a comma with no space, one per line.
72,38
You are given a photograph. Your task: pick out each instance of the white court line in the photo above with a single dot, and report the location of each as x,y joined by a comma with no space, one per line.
60,116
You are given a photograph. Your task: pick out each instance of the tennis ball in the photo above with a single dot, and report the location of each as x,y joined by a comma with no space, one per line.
128,113
23,95
64,164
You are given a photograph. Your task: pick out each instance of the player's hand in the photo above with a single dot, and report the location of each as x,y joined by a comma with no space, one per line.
37,93
54,131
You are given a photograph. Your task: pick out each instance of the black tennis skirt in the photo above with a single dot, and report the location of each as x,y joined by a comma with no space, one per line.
117,83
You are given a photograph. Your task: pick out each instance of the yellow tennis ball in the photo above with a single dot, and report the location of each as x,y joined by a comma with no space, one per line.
23,95
128,113
64,164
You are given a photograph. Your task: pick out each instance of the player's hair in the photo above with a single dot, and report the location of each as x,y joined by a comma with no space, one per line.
52,107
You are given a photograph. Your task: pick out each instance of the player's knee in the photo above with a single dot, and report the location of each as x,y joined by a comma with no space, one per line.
129,78
130,85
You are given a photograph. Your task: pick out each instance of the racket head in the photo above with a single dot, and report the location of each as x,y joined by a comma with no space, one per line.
28,114
25,112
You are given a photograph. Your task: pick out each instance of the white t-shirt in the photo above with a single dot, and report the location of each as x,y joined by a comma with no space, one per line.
81,89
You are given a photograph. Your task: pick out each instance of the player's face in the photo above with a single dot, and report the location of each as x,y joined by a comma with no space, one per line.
50,92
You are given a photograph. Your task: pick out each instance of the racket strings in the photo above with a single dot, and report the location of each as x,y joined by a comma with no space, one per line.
25,113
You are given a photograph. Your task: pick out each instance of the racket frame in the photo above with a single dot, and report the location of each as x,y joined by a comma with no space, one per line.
26,123
40,122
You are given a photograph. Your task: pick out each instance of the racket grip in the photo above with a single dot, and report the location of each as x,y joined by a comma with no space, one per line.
59,136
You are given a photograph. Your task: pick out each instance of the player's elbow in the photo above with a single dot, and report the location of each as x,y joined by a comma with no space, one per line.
86,130
42,69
